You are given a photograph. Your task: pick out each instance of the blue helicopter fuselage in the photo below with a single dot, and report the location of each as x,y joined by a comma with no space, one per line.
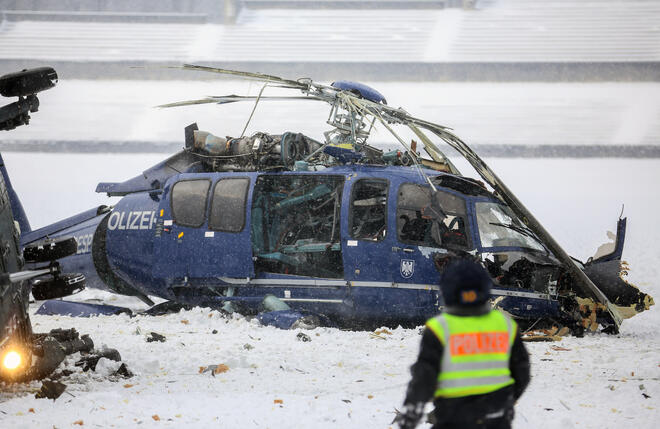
353,243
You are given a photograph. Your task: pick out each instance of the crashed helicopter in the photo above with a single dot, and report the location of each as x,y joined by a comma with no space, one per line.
331,226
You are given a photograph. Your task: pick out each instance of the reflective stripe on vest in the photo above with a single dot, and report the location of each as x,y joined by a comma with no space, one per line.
476,353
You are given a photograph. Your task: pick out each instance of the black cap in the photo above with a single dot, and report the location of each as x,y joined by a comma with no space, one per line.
465,283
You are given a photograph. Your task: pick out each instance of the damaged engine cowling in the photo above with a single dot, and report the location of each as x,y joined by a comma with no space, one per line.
257,152
609,276
608,272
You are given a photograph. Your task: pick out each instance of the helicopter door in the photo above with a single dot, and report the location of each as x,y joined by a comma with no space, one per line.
367,246
226,249
181,215
188,244
419,239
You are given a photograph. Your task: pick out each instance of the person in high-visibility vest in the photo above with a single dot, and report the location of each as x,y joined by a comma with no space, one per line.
471,361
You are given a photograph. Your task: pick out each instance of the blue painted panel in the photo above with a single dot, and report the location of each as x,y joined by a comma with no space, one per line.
54,228
78,309
129,240
530,308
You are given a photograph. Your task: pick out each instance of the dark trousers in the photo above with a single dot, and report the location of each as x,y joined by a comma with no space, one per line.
490,411
497,420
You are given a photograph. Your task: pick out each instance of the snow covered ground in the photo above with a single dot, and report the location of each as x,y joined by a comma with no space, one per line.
348,379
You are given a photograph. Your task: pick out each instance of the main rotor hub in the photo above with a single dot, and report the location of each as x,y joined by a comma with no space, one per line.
351,127
360,89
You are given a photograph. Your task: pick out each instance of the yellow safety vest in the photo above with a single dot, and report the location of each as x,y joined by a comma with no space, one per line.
476,355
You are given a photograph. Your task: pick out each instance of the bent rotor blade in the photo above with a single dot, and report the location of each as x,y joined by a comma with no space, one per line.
186,103
226,99
582,280
234,98
250,75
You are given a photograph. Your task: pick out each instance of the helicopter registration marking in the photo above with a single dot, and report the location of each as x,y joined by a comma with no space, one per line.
133,220
84,243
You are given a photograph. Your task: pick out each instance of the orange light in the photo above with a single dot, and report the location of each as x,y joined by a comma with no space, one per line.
12,360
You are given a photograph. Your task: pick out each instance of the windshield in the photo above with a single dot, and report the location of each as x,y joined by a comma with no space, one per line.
499,227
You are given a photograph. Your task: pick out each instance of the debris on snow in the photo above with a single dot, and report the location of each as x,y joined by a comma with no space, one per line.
553,334
214,369
107,367
376,336
560,349
303,337
50,389
123,371
154,336
90,361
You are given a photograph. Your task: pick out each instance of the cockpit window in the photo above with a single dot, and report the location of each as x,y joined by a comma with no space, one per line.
189,202
368,218
416,214
500,227
228,205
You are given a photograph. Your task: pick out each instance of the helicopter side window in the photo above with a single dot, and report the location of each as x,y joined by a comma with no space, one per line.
296,225
228,205
368,214
189,202
415,218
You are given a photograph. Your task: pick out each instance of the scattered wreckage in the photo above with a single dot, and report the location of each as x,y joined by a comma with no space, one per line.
333,230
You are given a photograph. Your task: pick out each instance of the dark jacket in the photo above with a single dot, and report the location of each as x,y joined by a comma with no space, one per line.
425,377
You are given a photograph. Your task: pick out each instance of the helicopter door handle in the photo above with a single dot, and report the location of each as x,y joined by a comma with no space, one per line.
409,250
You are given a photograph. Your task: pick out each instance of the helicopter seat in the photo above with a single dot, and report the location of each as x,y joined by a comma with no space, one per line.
279,257
304,246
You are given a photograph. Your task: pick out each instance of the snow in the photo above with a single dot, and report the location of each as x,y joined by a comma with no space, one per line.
341,378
